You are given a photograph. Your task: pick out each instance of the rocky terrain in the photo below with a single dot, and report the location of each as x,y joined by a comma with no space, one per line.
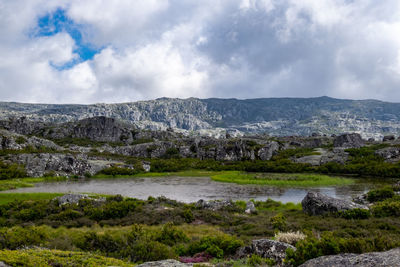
275,116
386,259
75,148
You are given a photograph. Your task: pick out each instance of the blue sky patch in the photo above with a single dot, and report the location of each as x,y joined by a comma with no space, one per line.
57,22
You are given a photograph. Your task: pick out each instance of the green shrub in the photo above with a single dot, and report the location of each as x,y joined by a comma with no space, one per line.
279,222
329,244
9,171
113,210
216,246
386,209
44,257
187,215
380,194
171,153
114,171
149,250
18,237
49,174
67,215
256,260
355,214
170,235
20,140
142,141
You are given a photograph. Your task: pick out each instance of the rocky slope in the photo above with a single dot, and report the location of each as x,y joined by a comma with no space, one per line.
275,116
78,147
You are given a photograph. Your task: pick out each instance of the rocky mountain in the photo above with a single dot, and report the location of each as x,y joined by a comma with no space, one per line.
274,116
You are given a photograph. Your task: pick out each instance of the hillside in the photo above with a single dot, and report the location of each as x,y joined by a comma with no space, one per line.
274,116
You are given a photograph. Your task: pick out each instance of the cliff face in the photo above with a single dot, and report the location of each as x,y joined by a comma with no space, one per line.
276,116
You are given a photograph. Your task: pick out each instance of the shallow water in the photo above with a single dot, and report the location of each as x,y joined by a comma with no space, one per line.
191,189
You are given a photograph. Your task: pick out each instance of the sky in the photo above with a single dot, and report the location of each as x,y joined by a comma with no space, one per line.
91,51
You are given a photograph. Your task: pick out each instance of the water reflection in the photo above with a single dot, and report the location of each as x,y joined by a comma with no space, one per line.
191,189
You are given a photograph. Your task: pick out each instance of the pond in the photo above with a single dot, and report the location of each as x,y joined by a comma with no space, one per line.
191,189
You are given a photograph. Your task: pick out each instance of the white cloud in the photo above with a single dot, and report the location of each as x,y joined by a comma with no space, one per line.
119,22
224,48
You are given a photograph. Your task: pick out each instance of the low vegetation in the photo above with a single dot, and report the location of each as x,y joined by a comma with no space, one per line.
274,179
158,228
26,182
10,197
9,171
45,257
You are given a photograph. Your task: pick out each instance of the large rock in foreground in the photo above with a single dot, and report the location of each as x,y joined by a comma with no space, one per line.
388,258
317,204
266,248
352,140
165,263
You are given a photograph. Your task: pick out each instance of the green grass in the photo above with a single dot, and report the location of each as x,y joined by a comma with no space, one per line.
188,173
280,180
9,197
45,257
271,179
26,182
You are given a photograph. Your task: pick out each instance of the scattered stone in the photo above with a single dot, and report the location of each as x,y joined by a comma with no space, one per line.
361,199
266,248
250,208
40,142
146,166
214,204
269,150
71,198
312,142
390,154
324,156
317,204
388,138
295,143
352,140
2,264
371,139
389,258
164,263
314,160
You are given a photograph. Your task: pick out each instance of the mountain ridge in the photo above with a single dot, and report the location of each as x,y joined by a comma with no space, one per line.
274,116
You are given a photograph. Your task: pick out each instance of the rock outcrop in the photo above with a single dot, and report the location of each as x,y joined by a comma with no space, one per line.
268,150
352,140
61,164
323,156
390,154
388,138
389,258
214,204
317,204
250,208
71,198
266,248
14,141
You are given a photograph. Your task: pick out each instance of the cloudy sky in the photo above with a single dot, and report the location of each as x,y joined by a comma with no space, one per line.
87,51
